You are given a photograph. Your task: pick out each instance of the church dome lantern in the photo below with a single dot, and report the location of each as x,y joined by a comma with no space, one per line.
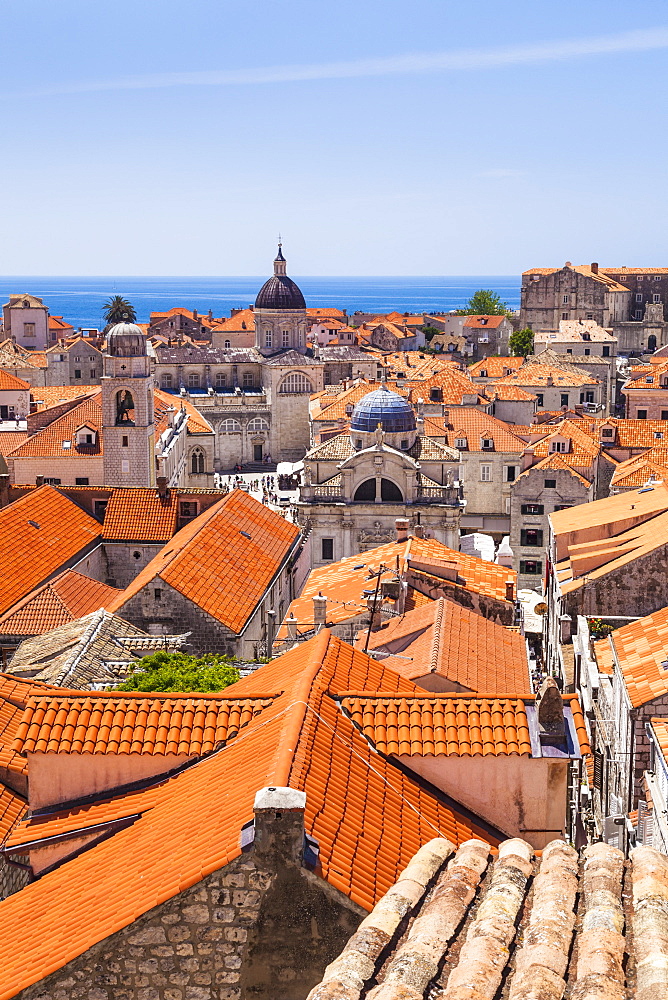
280,292
126,340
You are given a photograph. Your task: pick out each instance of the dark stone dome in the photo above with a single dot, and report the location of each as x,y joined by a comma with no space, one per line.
389,409
126,340
280,292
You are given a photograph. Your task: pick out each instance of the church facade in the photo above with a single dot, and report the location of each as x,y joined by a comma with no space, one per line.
358,484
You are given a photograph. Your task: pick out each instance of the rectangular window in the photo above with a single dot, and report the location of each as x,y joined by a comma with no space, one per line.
638,296
286,338
77,373
569,350
531,567
606,351
531,536
157,593
558,446
507,505
125,466
93,373
99,507
221,380
590,315
81,481
327,548
532,508
539,399
550,484
564,399
657,277
511,473
187,508
248,380
267,338
124,441
587,350
637,314
664,414
485,473
656,298
51,481
193,381
564,315
607,432
562,506
641,415
566,299
29,331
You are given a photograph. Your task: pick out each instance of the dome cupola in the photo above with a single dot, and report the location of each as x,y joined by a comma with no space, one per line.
280,292
393,412
126,340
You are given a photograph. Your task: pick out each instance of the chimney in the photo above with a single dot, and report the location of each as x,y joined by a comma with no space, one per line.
418,531
527,459
594,268
550,705
402,524
39,480
510,590
279,825
319,610
161,482
291,625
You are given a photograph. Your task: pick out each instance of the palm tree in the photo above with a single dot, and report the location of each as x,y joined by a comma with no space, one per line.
118,310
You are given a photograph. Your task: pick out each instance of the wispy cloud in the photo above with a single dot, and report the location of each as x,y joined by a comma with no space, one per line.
463,60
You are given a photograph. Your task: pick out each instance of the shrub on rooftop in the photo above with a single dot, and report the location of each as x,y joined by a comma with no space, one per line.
165,671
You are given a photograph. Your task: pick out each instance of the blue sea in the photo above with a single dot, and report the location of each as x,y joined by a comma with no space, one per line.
80,300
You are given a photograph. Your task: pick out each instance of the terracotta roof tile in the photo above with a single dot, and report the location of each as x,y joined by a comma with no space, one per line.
39,534
11,383
9,440
536,374
359,807
140,515
223,560
473,425
58,439
429,725
68,596
145,724
641,649
445,640
44,396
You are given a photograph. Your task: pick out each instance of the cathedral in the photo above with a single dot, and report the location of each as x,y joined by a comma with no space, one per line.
257,398
357,484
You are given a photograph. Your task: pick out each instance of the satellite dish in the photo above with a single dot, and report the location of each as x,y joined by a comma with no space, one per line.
541,609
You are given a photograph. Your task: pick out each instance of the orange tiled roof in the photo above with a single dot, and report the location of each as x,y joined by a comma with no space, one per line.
223,560
636,471
132,724
44,396
51,441
444,639
9,440
140,515
39,534
68,596
660,728
436,725
343,582
11,383
358,807
604,658
454,385
58,323
484,322
641,649
467,422
601,275
242,321
558,461
509,393
164,401
651,378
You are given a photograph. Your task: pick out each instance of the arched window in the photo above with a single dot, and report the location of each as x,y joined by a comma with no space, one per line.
389,492
227,344
221,380
230,426
125,407
197,462
651,343
258,424
295,383
167,381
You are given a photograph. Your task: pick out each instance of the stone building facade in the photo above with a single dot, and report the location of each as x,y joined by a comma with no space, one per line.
127,409
263,926
77,363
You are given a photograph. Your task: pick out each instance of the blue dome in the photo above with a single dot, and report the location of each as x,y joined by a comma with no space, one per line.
391,411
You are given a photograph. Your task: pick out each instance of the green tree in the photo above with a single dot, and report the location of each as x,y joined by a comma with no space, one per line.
166,671
521,342
484,302
118,310
430,331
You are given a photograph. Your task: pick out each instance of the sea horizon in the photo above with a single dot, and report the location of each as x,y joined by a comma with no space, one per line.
79,299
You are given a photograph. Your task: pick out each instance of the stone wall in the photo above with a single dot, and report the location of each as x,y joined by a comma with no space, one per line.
263,927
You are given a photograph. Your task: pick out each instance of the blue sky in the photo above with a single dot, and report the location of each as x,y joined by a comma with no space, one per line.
378,136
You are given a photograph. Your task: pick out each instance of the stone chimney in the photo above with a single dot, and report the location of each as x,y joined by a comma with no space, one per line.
319,610
550,705
291,625
161,483
527,459
510,590
418,531
402,525
39,480
279,825
594,268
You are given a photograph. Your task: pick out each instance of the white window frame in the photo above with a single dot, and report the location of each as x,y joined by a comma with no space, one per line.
485,472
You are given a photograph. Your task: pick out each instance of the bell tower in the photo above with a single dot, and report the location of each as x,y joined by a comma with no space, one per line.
280,312
128,431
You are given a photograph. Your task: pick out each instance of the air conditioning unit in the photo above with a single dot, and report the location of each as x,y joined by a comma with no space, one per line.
483,340
585,798
613,830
